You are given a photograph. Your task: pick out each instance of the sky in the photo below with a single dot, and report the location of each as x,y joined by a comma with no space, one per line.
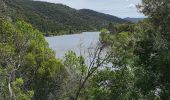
119,8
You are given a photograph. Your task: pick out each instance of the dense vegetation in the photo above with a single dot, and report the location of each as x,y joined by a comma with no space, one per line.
27,66
57,18
131,62
141,59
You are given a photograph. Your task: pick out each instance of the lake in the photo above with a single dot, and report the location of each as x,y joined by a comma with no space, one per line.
79,43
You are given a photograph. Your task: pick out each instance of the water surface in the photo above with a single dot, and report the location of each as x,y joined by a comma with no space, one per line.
79,43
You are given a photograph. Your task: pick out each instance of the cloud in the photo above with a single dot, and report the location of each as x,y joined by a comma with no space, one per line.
131,5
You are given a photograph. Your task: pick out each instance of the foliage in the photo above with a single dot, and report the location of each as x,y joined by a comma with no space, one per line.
77,70
108,85
141,52
28,67
75,63
158,12
135,64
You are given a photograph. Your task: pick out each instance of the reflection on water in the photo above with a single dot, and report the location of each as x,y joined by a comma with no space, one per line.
78,43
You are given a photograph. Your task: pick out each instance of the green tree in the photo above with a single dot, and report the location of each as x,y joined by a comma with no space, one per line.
28,67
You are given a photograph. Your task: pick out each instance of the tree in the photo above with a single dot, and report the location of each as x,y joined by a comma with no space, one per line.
153,49
85,71
158,13
28,67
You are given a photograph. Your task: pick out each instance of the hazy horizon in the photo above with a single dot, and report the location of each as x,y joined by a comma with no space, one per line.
119,8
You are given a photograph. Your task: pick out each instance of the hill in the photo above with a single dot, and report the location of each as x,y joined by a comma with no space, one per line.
134,20
56,18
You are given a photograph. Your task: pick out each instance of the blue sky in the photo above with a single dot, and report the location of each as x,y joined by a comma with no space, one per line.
120,8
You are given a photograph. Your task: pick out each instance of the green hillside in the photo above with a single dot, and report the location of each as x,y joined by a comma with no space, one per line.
56,18
134,20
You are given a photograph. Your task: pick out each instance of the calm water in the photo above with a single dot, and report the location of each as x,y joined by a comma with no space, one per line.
79,43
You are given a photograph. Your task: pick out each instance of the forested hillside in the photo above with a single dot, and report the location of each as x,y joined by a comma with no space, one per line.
134,20
57,18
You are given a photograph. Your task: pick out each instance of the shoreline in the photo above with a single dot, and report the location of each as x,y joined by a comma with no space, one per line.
70,34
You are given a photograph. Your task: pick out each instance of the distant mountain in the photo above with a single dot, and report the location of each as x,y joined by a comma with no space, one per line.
134,20
56,18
